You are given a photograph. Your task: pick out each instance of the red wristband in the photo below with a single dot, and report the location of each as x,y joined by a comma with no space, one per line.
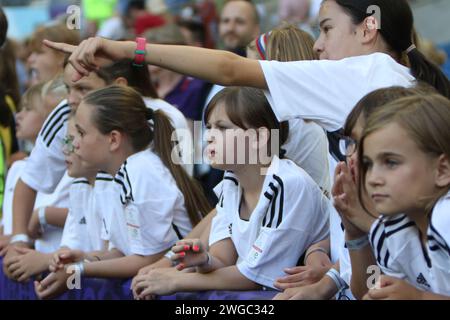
139,57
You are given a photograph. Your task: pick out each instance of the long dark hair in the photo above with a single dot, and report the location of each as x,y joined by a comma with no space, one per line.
122,108
396,28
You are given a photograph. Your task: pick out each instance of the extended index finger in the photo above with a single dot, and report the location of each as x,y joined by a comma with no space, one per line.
59,46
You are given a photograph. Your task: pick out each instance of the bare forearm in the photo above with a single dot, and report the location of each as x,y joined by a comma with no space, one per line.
360,261
124,267
229,278
56,216
216,66
23,203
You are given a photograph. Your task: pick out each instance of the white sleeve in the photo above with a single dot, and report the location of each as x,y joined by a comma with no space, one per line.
72,234
220,227
321,90
440,222
280,244
45,167
149,226
220,224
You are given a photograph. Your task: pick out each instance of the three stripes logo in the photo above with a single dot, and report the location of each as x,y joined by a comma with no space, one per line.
422,281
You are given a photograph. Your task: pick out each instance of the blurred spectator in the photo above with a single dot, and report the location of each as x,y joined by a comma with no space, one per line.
9,98
44,63
186,93
193,32
302,13
133,19
239,24
198,23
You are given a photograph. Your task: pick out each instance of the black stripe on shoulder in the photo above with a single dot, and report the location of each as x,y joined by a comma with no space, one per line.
177,231
438,238
49,142
272,209
268,195
406,225
80,181
231,179
280,212
390,223
103,179
55,118
374,233
380,246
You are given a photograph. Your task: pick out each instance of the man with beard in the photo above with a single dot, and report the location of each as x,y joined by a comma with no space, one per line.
239,24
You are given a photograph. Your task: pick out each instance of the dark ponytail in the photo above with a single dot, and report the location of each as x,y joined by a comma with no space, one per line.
122,108
138,77
396,28
194,198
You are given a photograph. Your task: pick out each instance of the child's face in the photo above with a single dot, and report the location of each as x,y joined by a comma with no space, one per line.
44,65
90,144
399,175
78,90
75,169
228,144
29,120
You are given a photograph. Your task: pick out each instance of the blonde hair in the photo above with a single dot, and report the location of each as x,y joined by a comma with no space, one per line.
32,93
57,33
425,119
289,43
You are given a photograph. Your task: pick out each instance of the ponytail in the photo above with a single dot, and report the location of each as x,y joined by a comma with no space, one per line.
196,203
122,108
425,70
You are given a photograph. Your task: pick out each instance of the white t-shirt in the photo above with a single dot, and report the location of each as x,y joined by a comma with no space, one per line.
325,91
153,213
45,166
83,227
399,251
292,213
307,146
51,238
183,132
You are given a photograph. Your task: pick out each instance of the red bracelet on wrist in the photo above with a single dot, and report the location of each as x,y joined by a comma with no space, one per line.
139,57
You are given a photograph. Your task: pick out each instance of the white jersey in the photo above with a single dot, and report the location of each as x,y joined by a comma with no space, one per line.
50,240
398,249
180,124
326,91
83,227
153,215
292,213
307,146
45,166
